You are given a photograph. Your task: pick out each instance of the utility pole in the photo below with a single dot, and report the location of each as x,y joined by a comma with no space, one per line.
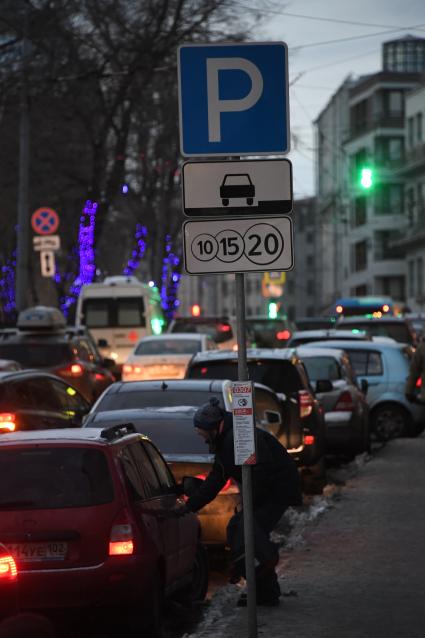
22,252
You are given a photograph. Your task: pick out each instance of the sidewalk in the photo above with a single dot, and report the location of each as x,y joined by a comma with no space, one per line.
360,572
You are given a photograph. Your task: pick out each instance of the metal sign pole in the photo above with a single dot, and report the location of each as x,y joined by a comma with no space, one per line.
248,512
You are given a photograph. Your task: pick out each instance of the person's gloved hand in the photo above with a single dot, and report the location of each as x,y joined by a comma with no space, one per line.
410,397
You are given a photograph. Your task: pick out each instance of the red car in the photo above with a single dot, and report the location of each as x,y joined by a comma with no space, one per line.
92,518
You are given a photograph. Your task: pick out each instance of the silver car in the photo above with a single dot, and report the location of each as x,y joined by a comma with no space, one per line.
385,367
345,405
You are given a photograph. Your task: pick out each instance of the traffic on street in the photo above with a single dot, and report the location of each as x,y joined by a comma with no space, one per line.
212,319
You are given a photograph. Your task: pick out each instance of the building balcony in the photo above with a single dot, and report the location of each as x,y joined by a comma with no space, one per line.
361,127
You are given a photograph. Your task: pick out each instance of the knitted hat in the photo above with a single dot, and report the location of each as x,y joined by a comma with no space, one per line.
209,415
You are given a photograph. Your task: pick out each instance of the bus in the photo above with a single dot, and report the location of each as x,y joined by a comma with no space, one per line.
366,306
118,312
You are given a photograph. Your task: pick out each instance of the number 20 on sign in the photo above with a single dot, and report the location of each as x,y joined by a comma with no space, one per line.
238,245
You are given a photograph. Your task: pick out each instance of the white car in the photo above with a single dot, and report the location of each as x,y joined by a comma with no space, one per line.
164,356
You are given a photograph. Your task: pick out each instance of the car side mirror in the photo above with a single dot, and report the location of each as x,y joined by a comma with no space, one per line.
364,386
191,484
324,385
102,343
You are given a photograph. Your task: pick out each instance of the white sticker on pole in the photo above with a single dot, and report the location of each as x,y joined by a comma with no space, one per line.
243,423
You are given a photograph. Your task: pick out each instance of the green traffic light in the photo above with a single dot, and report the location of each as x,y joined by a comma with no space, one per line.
272,310
366,178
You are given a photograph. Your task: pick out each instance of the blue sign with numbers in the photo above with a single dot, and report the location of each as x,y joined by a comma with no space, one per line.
233,99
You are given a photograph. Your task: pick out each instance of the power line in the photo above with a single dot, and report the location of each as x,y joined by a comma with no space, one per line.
356,37
322,19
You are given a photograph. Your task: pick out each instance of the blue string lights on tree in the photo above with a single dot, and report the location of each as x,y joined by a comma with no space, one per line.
139,252
86,255
7,288
170,280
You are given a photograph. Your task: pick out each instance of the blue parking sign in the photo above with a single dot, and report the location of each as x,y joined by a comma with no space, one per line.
233,99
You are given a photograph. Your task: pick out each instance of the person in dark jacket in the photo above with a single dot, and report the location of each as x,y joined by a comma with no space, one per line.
275,486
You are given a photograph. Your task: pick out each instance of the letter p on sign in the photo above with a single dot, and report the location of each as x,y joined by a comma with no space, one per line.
215,105
233,99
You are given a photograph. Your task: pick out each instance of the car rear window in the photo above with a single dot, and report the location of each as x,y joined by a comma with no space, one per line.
397,331
280,376
54,478
168,346
220,331
36,355
322,368
111,312
174,436
366,362
145,399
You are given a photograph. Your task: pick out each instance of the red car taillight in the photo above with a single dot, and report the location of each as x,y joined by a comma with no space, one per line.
121,541
8,569
74,370
7,422
419,382
283,335
308,439
345,403
306,403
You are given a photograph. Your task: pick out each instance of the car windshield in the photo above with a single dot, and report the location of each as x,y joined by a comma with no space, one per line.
280,376
168,346
36,355
153,399
322,368
52,478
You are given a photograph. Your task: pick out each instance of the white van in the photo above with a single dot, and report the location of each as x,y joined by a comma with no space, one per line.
118,312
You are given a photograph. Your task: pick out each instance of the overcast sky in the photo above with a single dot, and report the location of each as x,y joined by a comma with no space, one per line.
318,64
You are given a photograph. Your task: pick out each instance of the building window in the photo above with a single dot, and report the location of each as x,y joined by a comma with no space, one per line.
310,261
359,291
420,277
291,287
310,287
411,282
310,311
391,286
309,238
383,245
389,200
359,211
419,131
291,313
395,103
388,150
410,124
360,255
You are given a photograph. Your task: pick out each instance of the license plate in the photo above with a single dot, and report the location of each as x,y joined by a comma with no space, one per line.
39,551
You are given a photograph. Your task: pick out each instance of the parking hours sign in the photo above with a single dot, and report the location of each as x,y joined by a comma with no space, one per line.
237,245
233,99
243,423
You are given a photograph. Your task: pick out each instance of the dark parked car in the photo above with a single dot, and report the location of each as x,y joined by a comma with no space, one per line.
268,333
398,328
93,519
345,405
164,411
34,400
43,342
303,429
315,323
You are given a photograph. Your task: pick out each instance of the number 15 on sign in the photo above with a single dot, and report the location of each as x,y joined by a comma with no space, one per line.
238,245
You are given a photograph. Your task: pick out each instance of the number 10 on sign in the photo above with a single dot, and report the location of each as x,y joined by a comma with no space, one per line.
238,245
